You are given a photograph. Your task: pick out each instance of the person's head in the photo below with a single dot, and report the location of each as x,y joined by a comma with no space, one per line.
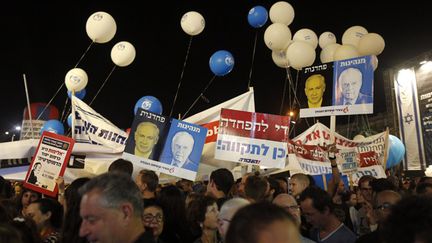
8,234
181,146
6,190
384,201
154,219
365,187
226,213
424,188
202,213
283,184
289,204
298,183
111,209
147,180
146,137
27,196
46,212
262,222
409,221
242,183
314,89
316,205
122,166
37,168
256,188
221,181
350,82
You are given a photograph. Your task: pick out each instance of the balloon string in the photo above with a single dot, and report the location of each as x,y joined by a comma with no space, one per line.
181,76
283,96
201,95
61,86
64,109
103,84
253,59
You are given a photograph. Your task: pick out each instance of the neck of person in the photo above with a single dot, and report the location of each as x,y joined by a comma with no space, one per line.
148,194
141,154
315,105
136,229
218,194
331,225
208,235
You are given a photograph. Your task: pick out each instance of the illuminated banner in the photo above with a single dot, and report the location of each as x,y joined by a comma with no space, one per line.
343,87
48,163
165,145
252,138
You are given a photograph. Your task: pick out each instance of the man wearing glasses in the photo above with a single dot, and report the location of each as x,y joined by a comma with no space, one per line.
365,200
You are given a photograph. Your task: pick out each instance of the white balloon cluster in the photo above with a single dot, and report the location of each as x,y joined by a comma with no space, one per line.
299,52
356,41
101,28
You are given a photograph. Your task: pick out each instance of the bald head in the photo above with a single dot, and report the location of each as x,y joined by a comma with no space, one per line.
227,211
289,204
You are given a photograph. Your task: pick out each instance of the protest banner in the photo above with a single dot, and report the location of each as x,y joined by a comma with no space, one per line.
49,162
165,145
252,138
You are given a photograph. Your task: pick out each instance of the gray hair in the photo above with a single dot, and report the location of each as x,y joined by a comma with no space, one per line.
115,188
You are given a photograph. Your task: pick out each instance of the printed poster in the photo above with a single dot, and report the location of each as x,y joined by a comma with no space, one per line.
49,162
165,145
252,138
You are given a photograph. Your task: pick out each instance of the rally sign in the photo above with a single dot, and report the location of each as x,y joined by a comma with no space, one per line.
252,138
49,162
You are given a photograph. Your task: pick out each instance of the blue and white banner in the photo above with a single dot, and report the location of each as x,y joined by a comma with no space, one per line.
91,127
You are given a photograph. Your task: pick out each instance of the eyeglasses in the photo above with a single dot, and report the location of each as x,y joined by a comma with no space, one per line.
384,206
150,217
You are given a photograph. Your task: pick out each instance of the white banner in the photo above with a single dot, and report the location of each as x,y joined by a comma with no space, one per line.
91,127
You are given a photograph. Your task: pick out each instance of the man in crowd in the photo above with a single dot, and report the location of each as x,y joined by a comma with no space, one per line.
298,183
318,209
219,185
147,182
257,189
227,211
111,210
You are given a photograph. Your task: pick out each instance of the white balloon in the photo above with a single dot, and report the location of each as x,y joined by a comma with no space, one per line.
358,137
300,54
101,27
345,52
326,39
123,53
374,62
280,59
327,53
281,12
76,79
192,23
353,35
371,44
306,35
277,36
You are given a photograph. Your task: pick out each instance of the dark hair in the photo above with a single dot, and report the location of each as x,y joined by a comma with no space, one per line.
72,220
49,205
256,187
223,179
410,220
274,184
20,196
121,165
197,210
422,187
27,229
320,198
149,178
251,219
6,190
365,178
10,207
382,184
8,234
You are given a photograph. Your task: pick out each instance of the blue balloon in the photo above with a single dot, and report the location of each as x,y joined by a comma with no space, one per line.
69,120
79,94
257,16
54,126
149,103
396,151
221,63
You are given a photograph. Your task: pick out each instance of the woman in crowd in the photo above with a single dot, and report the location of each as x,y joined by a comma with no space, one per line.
26,197
202,216
154,220
48,215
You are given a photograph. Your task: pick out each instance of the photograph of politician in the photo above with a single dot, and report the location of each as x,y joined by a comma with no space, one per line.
348,88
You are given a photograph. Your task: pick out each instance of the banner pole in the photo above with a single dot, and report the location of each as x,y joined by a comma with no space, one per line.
386,144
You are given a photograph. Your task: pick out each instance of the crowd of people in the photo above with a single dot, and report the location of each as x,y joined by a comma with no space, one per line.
115,207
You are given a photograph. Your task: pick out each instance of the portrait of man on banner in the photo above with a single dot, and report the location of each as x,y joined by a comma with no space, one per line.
349,88
315,86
